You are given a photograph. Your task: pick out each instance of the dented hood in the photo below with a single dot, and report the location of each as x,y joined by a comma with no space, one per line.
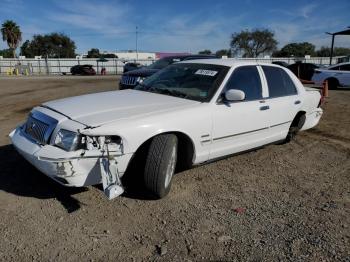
101,108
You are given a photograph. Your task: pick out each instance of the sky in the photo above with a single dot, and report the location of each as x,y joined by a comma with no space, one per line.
177,25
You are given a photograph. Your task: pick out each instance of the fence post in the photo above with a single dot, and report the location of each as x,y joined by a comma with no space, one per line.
47,66
59,65
325,88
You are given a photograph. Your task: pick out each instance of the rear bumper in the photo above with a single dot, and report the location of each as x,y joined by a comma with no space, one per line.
69,169
312,119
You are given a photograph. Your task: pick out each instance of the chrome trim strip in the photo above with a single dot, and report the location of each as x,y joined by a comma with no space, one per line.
282,124
223,137
243,133
48,159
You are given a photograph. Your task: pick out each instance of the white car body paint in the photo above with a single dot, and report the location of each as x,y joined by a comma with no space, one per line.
215,129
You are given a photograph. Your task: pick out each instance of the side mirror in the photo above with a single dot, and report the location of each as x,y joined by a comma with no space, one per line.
234,95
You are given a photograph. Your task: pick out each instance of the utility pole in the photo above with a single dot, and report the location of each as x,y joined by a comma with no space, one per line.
137,53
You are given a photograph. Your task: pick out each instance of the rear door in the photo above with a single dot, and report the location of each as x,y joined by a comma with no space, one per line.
343,75
283,100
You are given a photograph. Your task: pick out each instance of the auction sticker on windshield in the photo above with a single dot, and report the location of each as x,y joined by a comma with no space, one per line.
206,72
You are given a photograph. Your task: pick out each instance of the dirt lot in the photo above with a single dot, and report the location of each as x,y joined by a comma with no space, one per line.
282,202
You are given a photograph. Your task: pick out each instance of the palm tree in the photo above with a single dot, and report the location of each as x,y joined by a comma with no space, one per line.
12,34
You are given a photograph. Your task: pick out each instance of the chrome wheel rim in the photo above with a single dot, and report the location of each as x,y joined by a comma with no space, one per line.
171,168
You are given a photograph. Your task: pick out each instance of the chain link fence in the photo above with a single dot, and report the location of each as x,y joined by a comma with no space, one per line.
52,66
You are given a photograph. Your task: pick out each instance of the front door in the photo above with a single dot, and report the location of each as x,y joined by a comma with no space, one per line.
242,125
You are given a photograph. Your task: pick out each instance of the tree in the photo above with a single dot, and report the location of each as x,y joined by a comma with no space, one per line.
54,45
205,52
223,52
25,49
338,51
109,56
296,49
93,53
253,43
6,53
12,34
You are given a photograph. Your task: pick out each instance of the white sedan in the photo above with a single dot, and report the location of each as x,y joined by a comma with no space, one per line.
186,114
336,75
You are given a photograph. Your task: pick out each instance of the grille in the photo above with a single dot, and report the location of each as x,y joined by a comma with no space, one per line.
36,129
129,80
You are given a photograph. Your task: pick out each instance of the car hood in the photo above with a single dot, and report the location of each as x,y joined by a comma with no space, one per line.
143,72
106,107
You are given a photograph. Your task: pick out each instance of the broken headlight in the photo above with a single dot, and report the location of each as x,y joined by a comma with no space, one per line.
140,79
68,140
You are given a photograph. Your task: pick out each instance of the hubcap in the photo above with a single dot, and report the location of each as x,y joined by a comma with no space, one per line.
171,168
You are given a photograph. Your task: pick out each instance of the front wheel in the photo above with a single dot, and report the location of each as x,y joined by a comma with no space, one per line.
333,84
160,164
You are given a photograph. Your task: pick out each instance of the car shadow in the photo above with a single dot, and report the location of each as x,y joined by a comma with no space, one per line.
19,177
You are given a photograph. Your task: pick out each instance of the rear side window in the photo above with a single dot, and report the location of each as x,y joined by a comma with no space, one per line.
344,67
279,82
247,79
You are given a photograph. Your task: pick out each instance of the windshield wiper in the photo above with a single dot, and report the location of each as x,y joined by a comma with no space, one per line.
169,92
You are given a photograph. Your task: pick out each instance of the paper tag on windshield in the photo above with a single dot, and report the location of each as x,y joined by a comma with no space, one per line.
206,72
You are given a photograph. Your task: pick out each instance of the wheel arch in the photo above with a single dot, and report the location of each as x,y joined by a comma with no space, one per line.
296,121
186,151
334,80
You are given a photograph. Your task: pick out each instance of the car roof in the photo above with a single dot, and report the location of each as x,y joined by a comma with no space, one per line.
231,62
186,56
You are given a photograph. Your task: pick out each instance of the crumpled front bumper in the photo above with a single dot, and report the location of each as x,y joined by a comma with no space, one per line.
67,168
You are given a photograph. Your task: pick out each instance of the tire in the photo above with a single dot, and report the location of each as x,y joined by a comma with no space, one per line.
295,127
333,84
293,131
160,165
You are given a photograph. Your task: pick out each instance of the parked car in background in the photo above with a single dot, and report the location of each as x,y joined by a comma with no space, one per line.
281,63
303,71
130,79
131,66
186,114
336,75
83,70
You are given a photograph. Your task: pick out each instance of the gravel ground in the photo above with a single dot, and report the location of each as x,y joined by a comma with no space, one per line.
283,202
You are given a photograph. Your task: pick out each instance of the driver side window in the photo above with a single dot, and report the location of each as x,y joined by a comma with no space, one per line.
246,79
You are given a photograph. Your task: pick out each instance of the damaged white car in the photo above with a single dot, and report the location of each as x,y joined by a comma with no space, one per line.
186,114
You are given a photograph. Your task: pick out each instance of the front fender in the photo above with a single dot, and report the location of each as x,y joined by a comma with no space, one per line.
194,123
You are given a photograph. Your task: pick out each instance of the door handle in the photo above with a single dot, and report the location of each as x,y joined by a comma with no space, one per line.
264,108
297,102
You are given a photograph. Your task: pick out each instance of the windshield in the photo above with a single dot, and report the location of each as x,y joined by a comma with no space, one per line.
190,81
161,63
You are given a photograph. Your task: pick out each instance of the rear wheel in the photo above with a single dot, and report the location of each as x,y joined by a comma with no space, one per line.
295,127
333,83
160,164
